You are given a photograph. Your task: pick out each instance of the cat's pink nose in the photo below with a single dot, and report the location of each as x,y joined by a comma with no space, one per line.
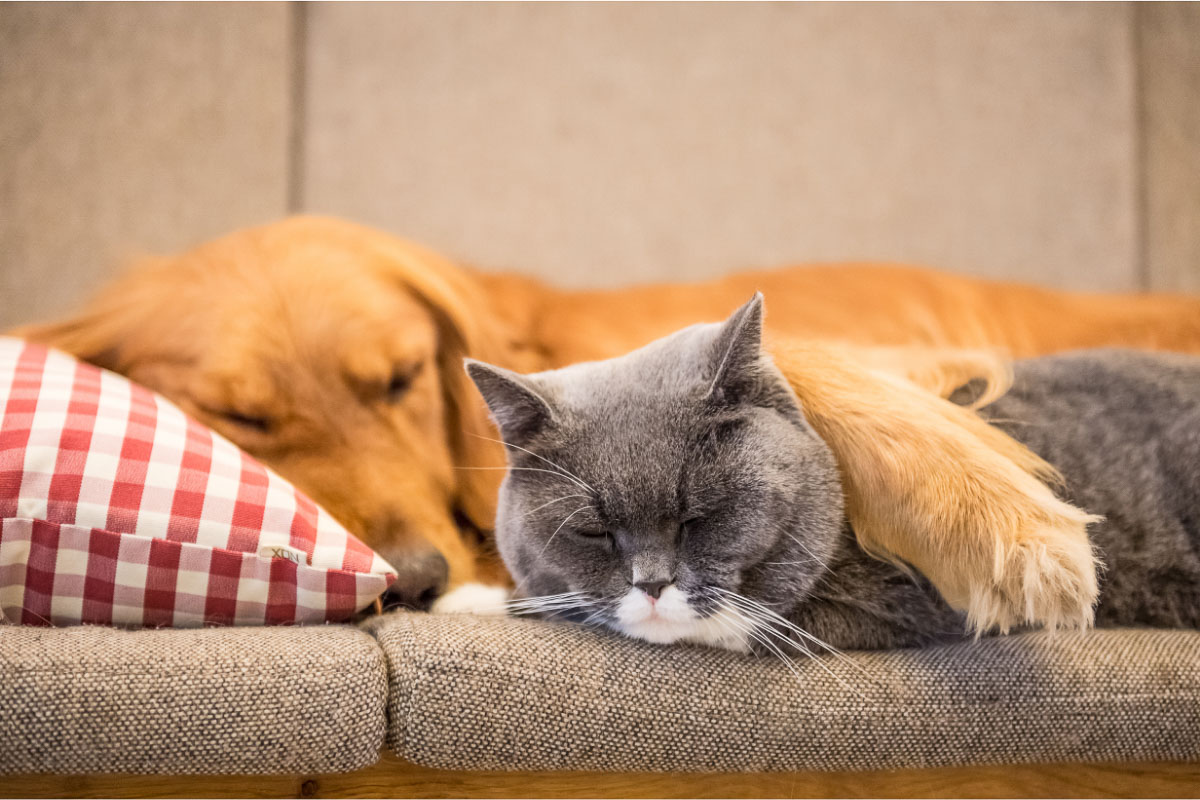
652,588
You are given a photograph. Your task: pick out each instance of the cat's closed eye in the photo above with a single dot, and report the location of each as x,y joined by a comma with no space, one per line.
596,537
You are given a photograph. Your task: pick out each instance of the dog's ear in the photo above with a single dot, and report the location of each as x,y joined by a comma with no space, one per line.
468,327
90,336
115,324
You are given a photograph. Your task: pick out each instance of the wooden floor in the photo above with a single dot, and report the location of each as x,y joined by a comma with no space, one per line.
392,777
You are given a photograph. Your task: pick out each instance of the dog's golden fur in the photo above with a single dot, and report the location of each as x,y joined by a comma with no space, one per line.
994,539
333,353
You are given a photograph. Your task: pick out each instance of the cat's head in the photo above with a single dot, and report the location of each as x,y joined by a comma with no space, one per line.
660,485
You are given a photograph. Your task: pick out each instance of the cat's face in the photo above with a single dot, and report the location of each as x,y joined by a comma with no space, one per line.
660,486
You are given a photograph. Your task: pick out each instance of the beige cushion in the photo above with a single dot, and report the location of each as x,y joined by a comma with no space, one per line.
247,700
486,693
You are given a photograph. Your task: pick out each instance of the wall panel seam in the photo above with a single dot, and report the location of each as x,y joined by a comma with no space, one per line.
1141,172
297,111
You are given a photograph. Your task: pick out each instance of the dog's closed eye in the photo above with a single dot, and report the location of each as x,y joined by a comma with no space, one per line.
401,380
248,422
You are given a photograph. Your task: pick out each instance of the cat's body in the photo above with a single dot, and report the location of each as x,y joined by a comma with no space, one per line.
1123,428
678,494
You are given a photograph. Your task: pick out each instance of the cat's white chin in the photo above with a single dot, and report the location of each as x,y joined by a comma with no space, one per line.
671,619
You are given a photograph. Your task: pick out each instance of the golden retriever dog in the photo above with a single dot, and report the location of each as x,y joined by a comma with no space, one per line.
333,353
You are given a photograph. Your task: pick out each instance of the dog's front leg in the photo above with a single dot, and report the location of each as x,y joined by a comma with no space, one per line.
930,484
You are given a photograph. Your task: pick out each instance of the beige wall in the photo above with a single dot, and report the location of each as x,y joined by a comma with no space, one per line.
1169,43
597,144
603,143
132,128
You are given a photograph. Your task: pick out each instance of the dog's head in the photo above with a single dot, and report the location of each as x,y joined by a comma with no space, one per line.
333,354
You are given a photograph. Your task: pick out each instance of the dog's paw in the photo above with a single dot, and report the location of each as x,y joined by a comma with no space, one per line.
1047,578
473,598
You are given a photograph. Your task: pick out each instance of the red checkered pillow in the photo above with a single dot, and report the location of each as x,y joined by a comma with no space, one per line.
116,508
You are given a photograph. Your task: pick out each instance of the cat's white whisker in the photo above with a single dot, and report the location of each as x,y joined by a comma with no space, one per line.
599,612
767,630
725,625
817,558
770,618
546,600
558,467
550,607
546,604
552,502
555,604
763,626
735,631
549,610
559,528
838,654
754,607
760,611
787,563
536,469
560,594
734,621
534,601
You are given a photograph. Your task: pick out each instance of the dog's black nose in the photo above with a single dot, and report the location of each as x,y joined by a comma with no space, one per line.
420,579
652,588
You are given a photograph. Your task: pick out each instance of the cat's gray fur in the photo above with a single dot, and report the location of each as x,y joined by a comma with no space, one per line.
691,462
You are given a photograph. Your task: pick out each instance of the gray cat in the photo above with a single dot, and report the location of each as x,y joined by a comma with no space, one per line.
677,493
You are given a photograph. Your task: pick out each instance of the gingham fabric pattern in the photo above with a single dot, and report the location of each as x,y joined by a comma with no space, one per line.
116,508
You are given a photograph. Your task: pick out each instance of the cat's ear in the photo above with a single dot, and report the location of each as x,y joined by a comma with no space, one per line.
737,352
519,411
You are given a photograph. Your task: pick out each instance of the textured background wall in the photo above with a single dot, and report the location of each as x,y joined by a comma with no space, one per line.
597,144
132,128
1169,47
606,143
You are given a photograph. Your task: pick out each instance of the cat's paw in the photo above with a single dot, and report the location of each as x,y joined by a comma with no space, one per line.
473,598
1046,578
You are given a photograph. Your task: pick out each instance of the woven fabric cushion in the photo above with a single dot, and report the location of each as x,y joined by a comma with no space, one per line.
504,694
222,700
116,508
